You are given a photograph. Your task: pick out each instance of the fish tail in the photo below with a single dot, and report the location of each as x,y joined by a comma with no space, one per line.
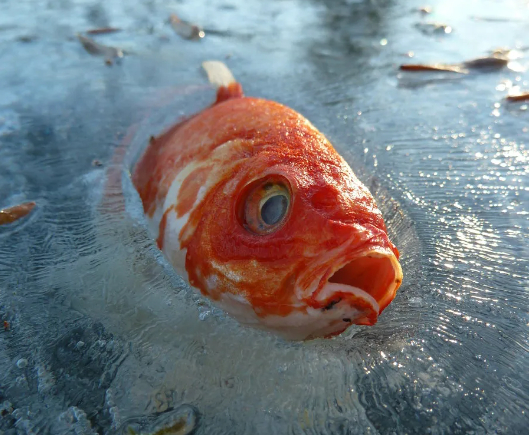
220,76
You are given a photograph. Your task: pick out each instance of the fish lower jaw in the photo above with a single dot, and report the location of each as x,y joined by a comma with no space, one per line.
356,292
309,324
350,303
334,293
305,322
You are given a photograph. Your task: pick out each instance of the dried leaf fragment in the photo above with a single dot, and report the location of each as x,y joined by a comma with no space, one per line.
12,214
496,61
103,30
434,67
425,10
93,47
495,19
434,28
27,38
490,62
185,29
518,97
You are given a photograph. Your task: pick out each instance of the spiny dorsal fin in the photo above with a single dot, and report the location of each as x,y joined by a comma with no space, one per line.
220,76
218,73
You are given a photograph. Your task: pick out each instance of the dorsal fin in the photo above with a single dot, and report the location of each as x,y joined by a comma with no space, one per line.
218,73
220,76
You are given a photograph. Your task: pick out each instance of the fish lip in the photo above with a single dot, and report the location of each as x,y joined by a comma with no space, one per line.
366,308
326,295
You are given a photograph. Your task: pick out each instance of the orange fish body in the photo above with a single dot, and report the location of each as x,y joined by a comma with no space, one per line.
253,205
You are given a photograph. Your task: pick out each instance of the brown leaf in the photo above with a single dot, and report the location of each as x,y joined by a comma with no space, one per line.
12,214
435,67
496,61
491,62
519,97
103,30
185,29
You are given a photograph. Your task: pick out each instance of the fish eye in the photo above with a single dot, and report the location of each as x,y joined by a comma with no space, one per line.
274,209
266,206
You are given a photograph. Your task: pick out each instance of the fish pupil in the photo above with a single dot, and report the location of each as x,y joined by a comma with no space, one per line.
274,209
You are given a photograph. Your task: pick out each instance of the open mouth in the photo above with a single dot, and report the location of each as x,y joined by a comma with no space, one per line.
377,275
360,290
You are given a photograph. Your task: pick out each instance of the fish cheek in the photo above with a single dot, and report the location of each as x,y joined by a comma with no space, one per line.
222,251
212,250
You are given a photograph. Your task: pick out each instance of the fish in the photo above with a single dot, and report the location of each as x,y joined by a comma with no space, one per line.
253,206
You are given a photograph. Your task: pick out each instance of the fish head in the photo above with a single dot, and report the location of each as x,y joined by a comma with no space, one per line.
291,242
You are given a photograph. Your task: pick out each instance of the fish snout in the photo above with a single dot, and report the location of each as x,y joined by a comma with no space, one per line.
359,289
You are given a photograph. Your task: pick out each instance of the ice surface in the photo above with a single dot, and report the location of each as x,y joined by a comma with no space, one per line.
102,336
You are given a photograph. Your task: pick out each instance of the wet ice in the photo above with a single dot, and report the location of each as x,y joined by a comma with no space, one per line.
103,335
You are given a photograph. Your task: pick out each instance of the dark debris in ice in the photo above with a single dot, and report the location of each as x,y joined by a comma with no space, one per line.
103,30
186,29
180,421
434,28
95,48
488,63
437,67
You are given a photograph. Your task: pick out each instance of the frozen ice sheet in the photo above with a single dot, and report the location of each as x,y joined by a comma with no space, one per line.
101,335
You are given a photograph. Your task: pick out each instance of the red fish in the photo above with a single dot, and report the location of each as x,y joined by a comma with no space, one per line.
253,205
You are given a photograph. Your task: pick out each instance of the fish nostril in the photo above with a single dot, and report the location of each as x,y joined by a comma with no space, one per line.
331,203
325,199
